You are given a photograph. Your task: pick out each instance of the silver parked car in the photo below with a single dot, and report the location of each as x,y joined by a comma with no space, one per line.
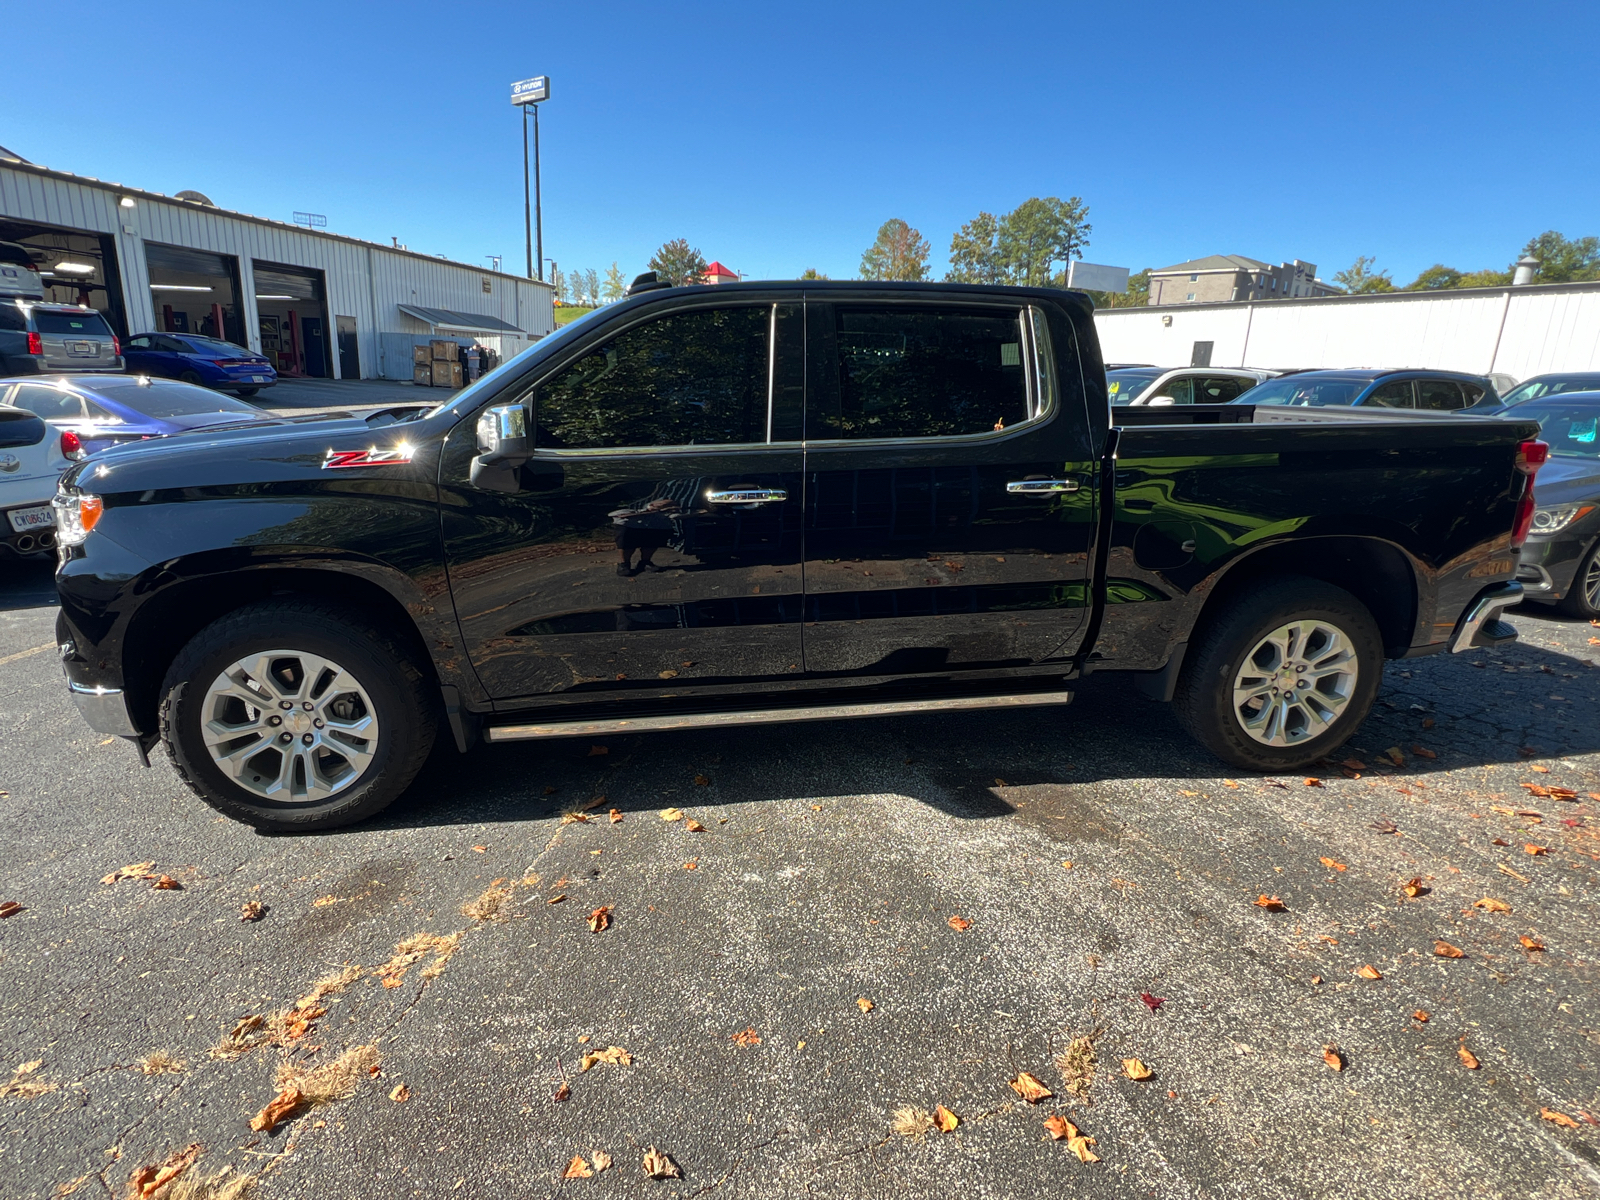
1182,385
38,338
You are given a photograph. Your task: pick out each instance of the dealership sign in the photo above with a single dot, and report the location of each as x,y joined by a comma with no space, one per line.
531,91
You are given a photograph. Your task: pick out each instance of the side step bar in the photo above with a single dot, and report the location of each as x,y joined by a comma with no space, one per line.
766,716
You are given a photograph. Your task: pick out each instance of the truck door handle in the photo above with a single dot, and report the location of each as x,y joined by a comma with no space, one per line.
1042,487
748,495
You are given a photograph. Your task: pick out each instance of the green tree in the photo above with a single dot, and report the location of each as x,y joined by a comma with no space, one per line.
812,273
1359,279
898,252
974,257
1037,235
591,287
678,263
1137,295
1562,260
615,287
1484,279
1435,278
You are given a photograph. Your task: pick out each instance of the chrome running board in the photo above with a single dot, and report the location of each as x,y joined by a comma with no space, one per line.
766,716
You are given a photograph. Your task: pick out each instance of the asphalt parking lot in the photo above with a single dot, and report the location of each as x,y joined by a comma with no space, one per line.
872,920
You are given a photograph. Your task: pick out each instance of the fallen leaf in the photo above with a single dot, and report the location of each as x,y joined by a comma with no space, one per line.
146,1181
131,871
616,817
1490,904
1468,1059
1332,865
480,849
1529,944
1152,1002
1413,888
252,910
864,1004
1312,782
1080,1146
1030,1089
614,1055
702,781
959,923
1333,1058
281,1105
1531,848
9,909
324,901
692,865
400,1093
1384,826
1558,1118
1393,754
1369,972
1420,752
1270,903
1446,950
672,814
1420,1016
1505,870
1316,979
1355,764
599,1159
1539,767
557,899
944,1120
600,919
1233,783
1500,842
669,673
1134,1069
660,1166
564,1092
748,1037
575,818
1060,1128
577,1169
694,826
596,751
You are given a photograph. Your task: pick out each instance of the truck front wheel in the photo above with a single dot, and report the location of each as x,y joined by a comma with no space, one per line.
289,716
1284,676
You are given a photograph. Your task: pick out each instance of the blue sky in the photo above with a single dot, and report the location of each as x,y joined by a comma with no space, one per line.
777,138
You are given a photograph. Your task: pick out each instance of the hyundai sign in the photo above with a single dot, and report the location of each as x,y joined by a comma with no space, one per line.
531,91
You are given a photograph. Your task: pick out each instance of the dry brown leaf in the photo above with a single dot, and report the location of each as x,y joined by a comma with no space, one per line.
864,1004
669,673
252,910
1270,903
1369,972
1420,1016
575,818
166,883
1542,770
748,1037
400,1093
692,865
959,924
616,817
492,905
596,751
1059,1128
702,781
1468,1059
146,1181
1134,1069
1490,904
1080,1146
10,909
281,1105
131,871
660,1166
944,1120
1030,1089
599,1159
694,826
577,1169
1505,870
1529,944
1332,865
1394,755
1331,1056
1413,888
672,814
1558,1118
1533,848
1316,979
615,1055
480,849
564,1092
557,898
1446,950
1428,722
600,919
1233,783
1355,764
1313,782
1422,752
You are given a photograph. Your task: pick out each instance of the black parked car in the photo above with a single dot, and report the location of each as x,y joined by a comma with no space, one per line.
1414,390
1561,561
759,503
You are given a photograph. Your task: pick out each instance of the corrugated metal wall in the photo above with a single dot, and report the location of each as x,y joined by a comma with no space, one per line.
1518,331
364,280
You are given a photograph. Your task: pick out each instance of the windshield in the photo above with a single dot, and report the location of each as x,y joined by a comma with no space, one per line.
1123,386
214,346
1551,386
1569,427
464,399
83,324
168,398
1305,391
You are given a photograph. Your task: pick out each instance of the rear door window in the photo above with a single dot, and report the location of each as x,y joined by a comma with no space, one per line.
906,371
1219,389
1394,394
1174,391
48,402
695,378
89,324
1439,395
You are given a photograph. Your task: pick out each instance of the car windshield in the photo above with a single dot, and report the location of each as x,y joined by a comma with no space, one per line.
1304,390
1123,386
1548,386
217,347
83,324
168,398
1569,427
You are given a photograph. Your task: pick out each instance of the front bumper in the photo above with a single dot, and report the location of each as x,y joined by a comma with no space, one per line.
1480,625
105,709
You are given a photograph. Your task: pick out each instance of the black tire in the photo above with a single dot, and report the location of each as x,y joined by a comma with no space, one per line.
1204,701
1583,596
191,377
407,714
245,393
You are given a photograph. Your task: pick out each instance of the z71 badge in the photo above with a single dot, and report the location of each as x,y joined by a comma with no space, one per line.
372,457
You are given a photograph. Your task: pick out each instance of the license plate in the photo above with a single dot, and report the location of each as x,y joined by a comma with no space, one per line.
258,379
83,349
23,519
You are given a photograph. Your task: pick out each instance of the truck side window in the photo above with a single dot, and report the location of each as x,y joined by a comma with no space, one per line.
916,372
693,378
1438,395
1396,394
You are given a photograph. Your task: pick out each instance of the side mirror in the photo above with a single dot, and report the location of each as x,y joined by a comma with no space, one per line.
502,448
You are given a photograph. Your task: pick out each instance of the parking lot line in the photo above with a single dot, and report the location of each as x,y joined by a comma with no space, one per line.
20,654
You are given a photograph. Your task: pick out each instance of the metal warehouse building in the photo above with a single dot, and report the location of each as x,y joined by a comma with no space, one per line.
318,304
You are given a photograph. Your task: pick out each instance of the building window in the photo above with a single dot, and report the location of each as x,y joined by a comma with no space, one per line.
1194,279
1190,296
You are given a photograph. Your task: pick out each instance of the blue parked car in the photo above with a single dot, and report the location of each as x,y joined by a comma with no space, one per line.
1420,390
204,361
107,410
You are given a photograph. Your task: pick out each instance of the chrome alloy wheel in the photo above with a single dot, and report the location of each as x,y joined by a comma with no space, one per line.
291,727
1295,683
1590,583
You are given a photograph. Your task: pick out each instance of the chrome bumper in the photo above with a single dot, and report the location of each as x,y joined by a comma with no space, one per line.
105,709
1482,618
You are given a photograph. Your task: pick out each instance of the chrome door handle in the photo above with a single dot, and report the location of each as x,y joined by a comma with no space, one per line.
747,496
1042,487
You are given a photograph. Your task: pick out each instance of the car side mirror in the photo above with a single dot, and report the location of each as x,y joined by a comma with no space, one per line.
502,448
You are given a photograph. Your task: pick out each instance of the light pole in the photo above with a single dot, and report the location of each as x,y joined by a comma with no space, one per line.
526,94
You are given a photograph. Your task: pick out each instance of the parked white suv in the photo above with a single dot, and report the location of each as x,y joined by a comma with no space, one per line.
32,458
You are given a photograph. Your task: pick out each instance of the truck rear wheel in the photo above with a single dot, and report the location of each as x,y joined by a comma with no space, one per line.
288,716
1284,676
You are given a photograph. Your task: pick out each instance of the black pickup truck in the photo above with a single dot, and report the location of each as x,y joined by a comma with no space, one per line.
760,503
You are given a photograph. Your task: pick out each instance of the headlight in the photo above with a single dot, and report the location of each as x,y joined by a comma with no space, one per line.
77,513
1549,520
